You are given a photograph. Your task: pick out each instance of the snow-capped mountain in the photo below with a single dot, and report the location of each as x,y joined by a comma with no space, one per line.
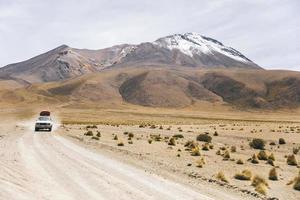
179,50
189,50
195,44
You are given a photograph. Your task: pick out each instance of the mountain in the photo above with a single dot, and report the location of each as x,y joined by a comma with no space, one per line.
204,51
188,50
59,63
163,87
181,70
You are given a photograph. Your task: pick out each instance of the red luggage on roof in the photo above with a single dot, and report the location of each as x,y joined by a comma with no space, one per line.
45,113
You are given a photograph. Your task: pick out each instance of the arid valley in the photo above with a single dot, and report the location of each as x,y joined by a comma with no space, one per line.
161,142
149,100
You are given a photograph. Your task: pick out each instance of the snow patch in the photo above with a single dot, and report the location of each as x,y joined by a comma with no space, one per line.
195,44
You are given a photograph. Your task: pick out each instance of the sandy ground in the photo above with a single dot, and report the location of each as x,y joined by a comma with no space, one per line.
172,161
66,164
47,166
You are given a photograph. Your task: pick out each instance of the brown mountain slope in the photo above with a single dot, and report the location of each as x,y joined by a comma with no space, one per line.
58,64
165,87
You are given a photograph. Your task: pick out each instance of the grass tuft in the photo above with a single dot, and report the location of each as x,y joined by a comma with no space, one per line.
281,141
120,143
291,160
221,176
195,151
245,175
273,174
240,162
254,159
200,163
262,155
89,133
226,155
172,142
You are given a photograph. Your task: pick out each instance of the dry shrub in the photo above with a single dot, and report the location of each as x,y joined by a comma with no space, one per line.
161,127
115,137
156,137
296,150
240,162
233,149
120,143
245,175
153,126
270,162
190,144
273,174
296,182
296,185
204,138
98,134
291,160
272,143
216,133
281,141
195,151
131,135
200,163
262,155
172,142
260,184
91,126
254,159
258,180
271,157
221,176
218,152
205,147
226,155
130,142
257,143
262,189
223,148
95,138
177,136
89,133
149,141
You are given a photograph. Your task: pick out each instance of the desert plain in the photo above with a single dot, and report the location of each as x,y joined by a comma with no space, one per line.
205,150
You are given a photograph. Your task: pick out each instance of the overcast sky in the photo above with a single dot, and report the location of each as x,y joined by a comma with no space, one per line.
266,31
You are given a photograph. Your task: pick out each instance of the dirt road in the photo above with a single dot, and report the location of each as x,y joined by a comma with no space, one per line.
48,166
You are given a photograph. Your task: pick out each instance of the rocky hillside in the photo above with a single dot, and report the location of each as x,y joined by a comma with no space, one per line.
161,87
189,50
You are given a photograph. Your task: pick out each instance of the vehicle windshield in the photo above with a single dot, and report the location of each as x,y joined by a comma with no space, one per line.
44,118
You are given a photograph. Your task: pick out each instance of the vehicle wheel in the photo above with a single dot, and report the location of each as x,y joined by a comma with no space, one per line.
36,129
50,129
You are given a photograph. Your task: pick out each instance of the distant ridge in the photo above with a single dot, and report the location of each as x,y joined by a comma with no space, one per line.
188,50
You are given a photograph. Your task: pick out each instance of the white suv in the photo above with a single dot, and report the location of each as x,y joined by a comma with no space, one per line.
43,123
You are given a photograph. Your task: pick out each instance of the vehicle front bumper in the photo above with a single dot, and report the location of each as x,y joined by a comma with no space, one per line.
43,125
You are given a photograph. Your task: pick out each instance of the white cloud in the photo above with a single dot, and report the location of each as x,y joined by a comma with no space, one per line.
265,31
